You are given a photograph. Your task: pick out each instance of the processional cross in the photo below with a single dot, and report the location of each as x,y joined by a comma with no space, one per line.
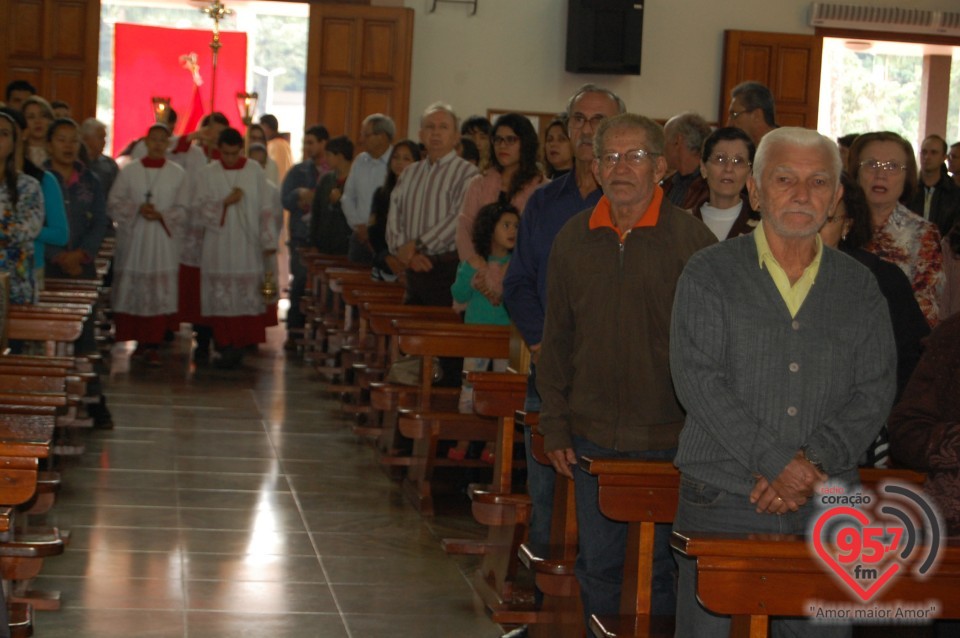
216,11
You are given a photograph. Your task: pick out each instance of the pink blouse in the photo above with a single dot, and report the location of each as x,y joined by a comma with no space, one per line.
482,190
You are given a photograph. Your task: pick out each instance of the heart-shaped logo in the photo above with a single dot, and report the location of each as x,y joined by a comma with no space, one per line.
862,555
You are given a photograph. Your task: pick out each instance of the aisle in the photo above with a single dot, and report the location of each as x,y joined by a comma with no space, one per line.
236,503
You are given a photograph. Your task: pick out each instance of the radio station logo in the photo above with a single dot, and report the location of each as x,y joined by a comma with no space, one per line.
869,541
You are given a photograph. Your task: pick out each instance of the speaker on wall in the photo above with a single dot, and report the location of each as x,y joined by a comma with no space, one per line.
604,36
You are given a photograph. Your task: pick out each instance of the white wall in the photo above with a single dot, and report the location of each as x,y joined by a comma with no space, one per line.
511,54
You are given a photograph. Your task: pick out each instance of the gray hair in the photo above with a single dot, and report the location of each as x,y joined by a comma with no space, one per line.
380,123
630,120
691,127
593,88
796,136
91,125
440,106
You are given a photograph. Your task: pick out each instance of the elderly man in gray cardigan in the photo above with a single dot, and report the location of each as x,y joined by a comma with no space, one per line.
783,357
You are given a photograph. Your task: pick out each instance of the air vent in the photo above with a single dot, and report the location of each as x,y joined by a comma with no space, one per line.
847,16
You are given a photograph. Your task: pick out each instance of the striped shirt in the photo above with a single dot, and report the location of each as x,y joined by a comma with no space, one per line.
426,201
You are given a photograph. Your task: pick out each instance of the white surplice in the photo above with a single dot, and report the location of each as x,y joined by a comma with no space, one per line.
147,256
235,238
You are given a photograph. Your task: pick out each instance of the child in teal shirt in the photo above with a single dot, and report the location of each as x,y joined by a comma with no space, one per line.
494,236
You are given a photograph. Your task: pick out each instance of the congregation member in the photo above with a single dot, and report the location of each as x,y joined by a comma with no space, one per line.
17,93
147,204
422,223
385,265
86,212
235,209
22,202
271,265
684,186
812,380
93,137
525,284
925,424
511,178
297,191
54,231
937,198
844,142
61,109
557,152
329,229
277,146
953,162
85,205
885,167
752,108
603,372
467,150
366,176
848,228
478,130
725,166
257,135
39,116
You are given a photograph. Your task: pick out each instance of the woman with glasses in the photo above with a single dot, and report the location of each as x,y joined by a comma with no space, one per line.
512,177
725,163
883,164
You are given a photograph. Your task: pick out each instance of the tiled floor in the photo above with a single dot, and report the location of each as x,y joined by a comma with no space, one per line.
239,504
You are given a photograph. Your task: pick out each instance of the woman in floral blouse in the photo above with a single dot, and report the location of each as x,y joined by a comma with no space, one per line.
884,165
22,206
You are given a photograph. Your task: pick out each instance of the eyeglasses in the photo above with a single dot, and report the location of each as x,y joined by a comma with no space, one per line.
633,158
578,120
888,167
735,114
509,140
734,161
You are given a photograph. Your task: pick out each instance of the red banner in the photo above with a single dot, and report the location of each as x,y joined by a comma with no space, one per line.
148,62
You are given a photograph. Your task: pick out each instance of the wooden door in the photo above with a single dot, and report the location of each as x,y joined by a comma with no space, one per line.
54,45
787,63
358,63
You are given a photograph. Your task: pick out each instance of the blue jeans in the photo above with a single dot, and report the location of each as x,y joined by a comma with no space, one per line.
603,542
704,508
540,479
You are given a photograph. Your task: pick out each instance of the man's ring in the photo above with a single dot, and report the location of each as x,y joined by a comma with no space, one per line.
779,499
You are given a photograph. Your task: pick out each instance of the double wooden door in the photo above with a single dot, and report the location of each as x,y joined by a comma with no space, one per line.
358,63
789,64
53,44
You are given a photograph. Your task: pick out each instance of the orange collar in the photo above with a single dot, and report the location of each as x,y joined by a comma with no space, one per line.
601,217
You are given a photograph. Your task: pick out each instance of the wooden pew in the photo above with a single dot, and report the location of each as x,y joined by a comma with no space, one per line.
752,577
345,341
427,425
561,614
26,430
385,398
504,512
642,493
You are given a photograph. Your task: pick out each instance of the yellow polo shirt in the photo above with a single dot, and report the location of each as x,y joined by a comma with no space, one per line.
793,295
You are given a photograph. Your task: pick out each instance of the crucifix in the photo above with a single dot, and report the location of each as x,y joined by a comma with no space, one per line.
217,11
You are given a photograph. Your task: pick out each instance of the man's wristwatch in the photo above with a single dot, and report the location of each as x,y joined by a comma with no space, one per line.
420,247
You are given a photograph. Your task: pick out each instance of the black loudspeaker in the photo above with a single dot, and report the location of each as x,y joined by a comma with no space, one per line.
604,36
